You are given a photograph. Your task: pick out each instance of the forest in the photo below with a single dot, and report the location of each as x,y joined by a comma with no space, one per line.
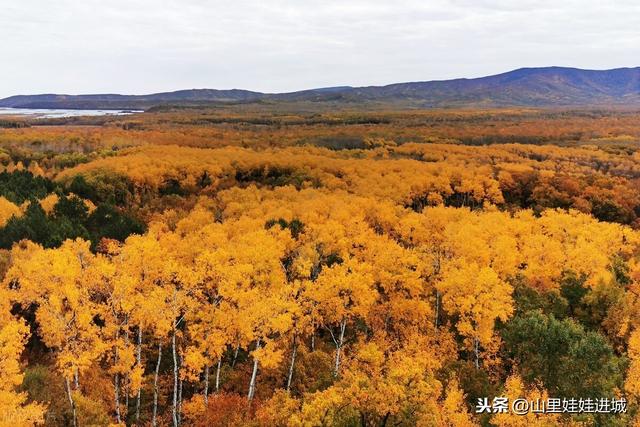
250,265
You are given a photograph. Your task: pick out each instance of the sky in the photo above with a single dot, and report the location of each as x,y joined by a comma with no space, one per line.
148,46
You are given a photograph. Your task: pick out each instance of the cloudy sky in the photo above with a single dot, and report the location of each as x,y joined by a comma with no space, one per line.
143,46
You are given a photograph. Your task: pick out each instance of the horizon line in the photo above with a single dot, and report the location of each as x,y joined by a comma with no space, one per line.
345,86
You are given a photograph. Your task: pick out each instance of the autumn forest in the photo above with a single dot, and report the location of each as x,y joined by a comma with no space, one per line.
247,265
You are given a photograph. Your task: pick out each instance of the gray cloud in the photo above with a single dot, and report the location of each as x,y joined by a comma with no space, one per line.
141,46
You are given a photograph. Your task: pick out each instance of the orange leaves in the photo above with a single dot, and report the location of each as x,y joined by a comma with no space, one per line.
540,249
454,412
343,291
280,410
403,181
632,383
49,202
478,296
8,210
61,282
378,384
391,258
13,406
13,336
516,389
573,242
409,248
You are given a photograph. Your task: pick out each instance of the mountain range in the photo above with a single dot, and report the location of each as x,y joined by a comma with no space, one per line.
526,87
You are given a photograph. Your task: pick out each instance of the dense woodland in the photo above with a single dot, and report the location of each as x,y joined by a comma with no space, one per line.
257,267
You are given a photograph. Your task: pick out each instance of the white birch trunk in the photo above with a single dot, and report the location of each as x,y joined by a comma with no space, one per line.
437,320
116,383
180,382
206,385
175,378
116,396
339,342
71,402
294,350
254,374
235,356
155,387
139,362
126,379
218,374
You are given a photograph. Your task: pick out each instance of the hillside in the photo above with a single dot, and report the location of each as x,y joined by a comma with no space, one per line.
115,101
552,86
526,87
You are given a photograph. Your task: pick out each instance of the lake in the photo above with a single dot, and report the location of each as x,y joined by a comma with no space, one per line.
58,113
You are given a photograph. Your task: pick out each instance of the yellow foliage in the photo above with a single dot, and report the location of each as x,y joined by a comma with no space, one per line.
454,411
478,296
13,407
632,382
515,389
280,410
49,202
8,210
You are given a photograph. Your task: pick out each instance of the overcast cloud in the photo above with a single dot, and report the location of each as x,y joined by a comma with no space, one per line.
144,46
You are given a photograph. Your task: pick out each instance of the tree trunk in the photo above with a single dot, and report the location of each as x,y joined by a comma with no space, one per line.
254,374
179,401
155,387
126,398
206,385
175,378
116,396
218,374
235,356
71,402
339,342
476,350
180,382
139,362
437,321
313,340
385,419
116,383
294,350
126,379
76,380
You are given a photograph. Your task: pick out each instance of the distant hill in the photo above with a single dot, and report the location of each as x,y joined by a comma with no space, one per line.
113,101
552,86
526,87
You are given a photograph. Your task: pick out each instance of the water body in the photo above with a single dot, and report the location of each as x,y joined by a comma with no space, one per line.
56,113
